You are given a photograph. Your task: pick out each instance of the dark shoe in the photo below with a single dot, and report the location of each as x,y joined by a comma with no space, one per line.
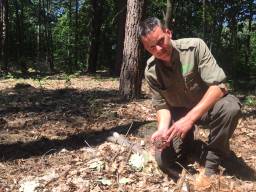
211,171
212,163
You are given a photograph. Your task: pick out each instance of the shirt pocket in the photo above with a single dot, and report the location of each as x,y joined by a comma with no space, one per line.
195,87
175,96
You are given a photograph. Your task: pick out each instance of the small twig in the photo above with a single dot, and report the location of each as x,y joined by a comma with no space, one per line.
118,13
117,178
87,144
129,130
221,173
181,180
123,141
129,154
42,158
219,183
114,158
183,167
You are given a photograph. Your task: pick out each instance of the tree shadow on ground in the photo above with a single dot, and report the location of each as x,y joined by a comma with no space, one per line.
36,106
26,98
236,166
54,75
233,165
28,75
250,113
26,110
45,146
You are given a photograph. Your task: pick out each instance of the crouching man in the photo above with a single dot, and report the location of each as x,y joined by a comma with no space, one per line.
187,88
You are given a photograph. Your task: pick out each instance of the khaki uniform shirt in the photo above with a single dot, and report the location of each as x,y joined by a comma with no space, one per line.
184,82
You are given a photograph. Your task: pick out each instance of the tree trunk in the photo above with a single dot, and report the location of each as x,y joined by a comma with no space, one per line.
204,20
20,37
234,40
168,14
69,54
131,75
39,33
49,53
120,36
4,34
95,35
76,35
1,29
216,28
248,38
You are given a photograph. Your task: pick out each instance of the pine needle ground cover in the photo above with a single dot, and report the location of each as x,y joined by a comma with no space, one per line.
54,137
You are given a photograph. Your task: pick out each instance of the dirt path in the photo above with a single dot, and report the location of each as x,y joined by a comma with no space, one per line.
53,138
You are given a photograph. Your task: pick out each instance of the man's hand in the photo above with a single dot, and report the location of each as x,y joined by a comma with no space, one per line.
179,129
158,140
163,119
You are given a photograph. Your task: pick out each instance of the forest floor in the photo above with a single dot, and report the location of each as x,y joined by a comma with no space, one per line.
54,130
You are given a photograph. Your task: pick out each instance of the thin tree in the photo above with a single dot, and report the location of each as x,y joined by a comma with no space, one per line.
204,19
39,18
248,38
4,33
168,13
121,17
48,35
95,35
76,34
20,36
69,54
1,28
130,79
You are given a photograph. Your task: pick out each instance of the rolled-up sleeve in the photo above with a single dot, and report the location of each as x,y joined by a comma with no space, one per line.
158,101
209,70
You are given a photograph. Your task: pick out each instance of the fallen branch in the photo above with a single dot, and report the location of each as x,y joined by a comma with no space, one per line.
123,141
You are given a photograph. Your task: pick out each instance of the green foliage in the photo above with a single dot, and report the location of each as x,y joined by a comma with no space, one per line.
67,80
250,100
9,76
224,25
253,52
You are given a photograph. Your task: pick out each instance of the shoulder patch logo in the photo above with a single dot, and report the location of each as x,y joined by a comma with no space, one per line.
186,68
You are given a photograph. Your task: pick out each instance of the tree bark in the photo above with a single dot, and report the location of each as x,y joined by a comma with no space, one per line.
204,20
20,36
234,41
248,38
168,13
76,35
95,35
1,28
48,35
131,73
69,54
39,33
4,34
120,36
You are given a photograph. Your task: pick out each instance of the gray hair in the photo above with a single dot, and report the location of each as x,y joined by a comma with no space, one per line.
148,25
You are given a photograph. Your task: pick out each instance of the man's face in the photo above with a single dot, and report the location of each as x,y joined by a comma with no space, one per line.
157,42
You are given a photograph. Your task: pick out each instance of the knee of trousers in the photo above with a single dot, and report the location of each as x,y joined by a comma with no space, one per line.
225,125
230,112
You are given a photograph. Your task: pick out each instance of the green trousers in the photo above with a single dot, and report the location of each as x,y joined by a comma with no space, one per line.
221,119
